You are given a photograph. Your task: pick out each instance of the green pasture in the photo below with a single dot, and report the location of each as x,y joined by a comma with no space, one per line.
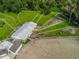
13,21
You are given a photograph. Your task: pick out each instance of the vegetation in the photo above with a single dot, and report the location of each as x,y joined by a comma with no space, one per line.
55,27
1,23
14,13
13,21
19,5
70,11
68,8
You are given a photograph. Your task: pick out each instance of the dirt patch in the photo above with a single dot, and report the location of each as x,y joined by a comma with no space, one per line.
57,48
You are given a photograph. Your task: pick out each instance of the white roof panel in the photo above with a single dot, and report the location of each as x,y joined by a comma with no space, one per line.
5,44
25,31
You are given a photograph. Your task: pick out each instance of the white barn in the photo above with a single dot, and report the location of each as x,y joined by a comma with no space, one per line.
24,32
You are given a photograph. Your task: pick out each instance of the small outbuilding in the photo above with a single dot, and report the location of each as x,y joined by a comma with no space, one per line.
5,44
24,31
4,49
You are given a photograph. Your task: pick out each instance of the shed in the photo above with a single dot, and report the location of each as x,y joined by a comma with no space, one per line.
24,31
6,44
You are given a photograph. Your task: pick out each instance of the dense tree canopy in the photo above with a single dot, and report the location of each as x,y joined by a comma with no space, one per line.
68,8
16,6
70,12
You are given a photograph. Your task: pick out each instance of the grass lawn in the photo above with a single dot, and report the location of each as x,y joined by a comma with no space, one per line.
46,18
57,33
10,24
25,16
61,33
77,32
40,19
55,27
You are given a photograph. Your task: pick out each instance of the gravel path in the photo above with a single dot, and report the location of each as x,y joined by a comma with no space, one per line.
56,48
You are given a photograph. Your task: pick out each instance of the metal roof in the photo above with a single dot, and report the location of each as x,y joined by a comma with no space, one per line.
25,31
6,44
15,46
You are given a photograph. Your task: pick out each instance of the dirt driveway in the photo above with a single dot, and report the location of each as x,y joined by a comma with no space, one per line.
53,48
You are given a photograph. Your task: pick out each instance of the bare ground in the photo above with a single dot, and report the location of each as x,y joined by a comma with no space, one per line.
52,48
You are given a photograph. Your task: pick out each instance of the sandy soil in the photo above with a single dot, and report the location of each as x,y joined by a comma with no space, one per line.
56,48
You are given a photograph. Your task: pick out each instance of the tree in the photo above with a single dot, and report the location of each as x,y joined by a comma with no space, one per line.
70,12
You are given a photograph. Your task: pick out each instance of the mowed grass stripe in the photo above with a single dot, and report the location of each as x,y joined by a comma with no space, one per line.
58,26
5,31
36,19
26,16
57,33
9,19
45,18
10,25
